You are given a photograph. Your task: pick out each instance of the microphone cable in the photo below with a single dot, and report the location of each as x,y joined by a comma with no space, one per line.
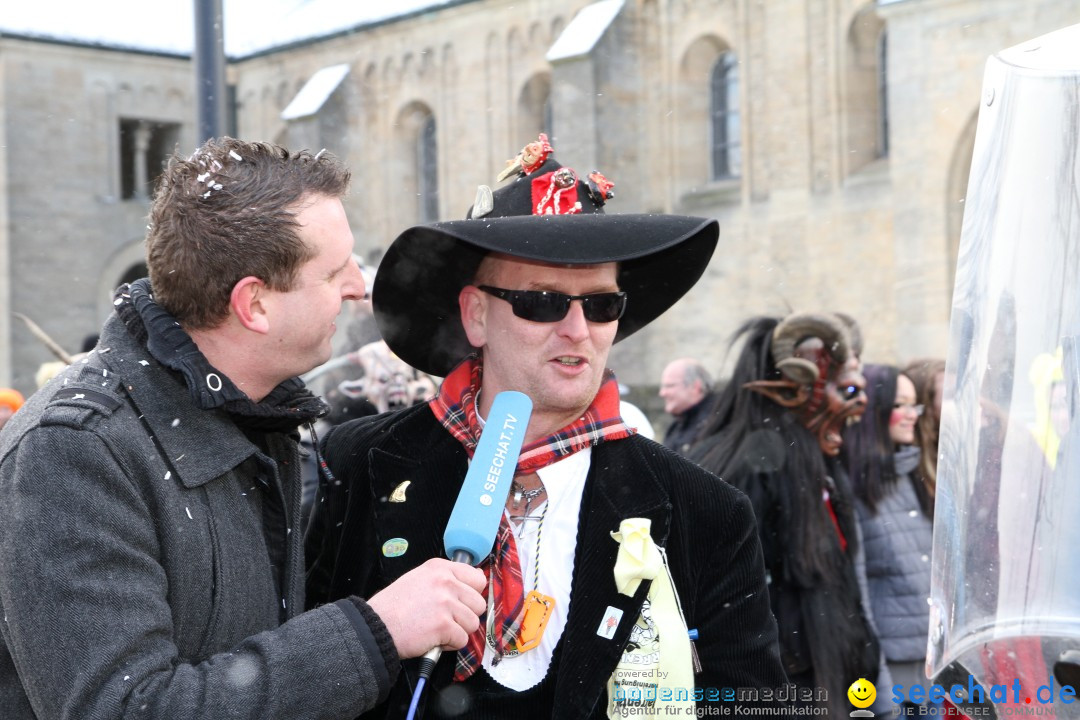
417,693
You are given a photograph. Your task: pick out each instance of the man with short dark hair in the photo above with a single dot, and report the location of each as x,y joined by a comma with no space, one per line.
624,579
150,494
686,389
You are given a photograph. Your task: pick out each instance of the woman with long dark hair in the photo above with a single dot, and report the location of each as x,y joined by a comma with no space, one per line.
928,374
895,512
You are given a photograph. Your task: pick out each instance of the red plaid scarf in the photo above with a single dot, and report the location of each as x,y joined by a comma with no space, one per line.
455,407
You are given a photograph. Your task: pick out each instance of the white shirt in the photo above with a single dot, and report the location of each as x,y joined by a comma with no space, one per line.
635,418
565,483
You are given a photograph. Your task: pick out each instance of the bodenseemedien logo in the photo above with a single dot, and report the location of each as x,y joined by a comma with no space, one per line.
862,694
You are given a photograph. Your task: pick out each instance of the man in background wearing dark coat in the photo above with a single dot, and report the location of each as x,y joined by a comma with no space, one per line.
686,389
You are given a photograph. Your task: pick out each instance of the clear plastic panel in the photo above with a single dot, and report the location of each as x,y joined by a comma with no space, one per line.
1006,587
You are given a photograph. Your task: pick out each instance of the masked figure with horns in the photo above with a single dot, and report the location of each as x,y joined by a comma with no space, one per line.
775,434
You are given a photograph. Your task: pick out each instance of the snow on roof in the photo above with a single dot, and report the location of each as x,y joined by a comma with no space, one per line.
168,26
315,92
585,30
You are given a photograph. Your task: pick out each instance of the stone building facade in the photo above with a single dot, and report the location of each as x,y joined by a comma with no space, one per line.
84,129
831,138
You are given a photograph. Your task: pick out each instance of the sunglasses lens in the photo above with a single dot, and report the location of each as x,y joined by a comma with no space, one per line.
604,307
541,306
545,307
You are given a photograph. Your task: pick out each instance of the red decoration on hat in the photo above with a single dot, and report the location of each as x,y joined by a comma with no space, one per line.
600,187
535,154
555,193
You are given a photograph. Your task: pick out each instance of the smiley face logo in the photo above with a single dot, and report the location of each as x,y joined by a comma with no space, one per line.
862,693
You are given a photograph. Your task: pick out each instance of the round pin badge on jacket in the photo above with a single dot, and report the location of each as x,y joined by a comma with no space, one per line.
395,547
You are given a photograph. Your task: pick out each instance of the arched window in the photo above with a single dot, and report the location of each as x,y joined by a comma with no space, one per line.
883,95
725,127
864,91
534,109
427,171
133,273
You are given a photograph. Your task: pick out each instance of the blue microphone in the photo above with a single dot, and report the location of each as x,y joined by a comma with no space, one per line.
474,522
479,508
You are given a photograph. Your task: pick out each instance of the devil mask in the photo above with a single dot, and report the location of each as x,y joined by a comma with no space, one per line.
820,379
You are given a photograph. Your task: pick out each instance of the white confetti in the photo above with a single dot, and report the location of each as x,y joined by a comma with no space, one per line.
176,422
189,513
168,474
118,301
233,154
216,186
206,194
319,154
202,177
143,362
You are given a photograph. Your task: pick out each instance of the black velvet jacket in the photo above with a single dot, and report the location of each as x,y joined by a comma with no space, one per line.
706,526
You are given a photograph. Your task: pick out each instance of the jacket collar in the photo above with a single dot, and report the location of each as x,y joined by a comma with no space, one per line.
201,440
199,444
287,406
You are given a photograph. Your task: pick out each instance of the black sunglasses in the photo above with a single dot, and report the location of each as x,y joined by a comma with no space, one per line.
544,306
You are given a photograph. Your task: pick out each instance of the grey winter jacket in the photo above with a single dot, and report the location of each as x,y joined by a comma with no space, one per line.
897,543
136,576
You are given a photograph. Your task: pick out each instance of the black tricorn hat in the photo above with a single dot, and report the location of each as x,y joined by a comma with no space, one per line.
415,294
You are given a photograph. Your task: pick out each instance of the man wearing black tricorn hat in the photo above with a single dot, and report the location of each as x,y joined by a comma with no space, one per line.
625,580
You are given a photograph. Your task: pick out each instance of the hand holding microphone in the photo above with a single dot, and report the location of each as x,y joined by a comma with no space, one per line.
474,522
439,600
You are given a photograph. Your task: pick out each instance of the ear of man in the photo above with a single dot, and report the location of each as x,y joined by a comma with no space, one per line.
473,303
248,303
